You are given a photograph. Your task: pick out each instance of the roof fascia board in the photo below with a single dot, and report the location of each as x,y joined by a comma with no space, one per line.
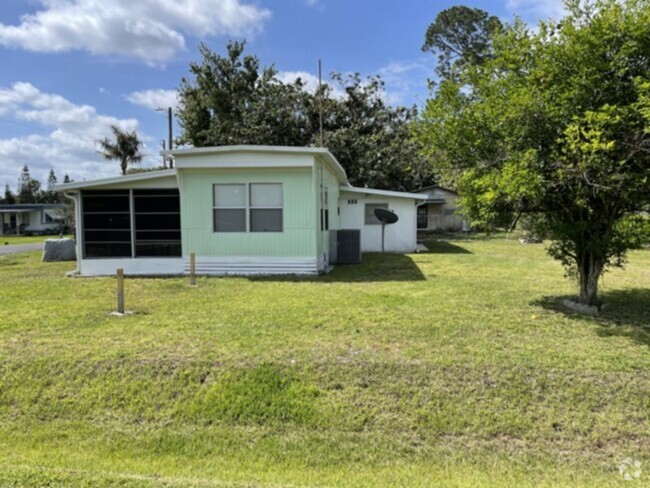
387,193
149,175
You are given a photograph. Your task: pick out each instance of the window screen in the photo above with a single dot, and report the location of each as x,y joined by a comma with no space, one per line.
229,212
266,207
258,211
157,223
106,223
370,218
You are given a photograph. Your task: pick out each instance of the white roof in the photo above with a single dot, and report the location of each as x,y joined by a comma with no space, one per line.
148,175
53,213
385,193
316,151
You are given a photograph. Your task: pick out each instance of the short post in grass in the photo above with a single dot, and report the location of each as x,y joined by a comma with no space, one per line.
120,290
192,269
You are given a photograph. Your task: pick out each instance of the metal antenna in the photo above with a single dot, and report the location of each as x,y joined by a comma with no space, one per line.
320,102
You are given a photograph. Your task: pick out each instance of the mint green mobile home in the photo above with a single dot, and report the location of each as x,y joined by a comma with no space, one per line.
239,209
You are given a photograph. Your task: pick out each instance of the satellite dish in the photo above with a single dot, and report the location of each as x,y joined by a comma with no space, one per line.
385,217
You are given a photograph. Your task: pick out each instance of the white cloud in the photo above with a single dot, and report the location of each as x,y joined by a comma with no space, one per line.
536,10
64,136
154,99
310,80
151,30
404,81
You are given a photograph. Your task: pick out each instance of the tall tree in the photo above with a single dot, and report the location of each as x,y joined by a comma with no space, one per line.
556,125
232,100
9,196
460,36
125,149
29,189
52,195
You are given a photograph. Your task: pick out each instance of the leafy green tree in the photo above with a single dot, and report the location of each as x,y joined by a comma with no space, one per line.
231,100
9,197
125,149
371,139
460,36
555,126
29,189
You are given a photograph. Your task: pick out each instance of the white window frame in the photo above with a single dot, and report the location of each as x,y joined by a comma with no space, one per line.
248,207
244,208
266,207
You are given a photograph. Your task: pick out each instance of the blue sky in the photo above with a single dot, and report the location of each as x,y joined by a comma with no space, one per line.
71,68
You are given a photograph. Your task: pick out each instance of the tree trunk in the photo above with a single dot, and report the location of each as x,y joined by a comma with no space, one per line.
590,268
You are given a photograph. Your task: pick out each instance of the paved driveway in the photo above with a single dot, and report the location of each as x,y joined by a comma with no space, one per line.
37,246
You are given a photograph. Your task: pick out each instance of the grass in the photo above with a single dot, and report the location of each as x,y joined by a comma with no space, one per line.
450,368
14,240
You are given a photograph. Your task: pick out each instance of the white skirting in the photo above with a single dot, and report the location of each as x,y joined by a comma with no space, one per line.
254,265
137,266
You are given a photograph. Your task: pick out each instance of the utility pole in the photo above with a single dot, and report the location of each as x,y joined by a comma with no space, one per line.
320,103
169,128
163,145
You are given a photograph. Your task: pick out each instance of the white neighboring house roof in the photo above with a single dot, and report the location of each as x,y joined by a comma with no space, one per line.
148,175
436,187
385,193
54,214
315,151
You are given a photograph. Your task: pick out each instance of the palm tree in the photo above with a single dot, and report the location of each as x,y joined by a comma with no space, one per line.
125,149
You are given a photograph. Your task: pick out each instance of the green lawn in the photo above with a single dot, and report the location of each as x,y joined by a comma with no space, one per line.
450,368
12,240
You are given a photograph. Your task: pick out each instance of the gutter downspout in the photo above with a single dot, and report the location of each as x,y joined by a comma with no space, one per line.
77,229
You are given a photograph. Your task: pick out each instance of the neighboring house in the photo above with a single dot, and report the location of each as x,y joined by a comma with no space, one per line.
440,211
31,218
239,209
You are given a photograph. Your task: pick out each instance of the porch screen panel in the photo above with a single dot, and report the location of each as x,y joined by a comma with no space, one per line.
157,223
106,223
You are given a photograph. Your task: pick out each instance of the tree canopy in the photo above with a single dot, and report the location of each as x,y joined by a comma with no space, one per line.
555,126
29,189
231,99
460,36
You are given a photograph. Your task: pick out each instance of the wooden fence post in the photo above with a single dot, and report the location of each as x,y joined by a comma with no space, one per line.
192,269
120,290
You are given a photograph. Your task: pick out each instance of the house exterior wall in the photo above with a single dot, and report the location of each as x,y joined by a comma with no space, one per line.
400,237
443,216
327,198
292,250
131,266
35,219
36,223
